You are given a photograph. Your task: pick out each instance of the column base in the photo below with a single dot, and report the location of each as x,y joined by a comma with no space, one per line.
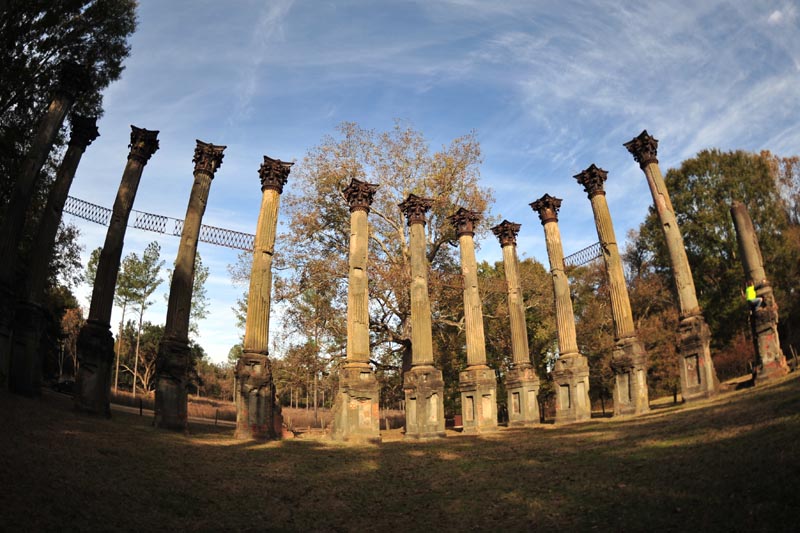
95,361
172,368
25,375
522,385
424,392
770,361
629,363
698,377
571,379
356,410
258,416
478,387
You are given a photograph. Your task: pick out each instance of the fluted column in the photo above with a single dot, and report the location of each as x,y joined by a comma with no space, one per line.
72,82
698,377
357,407
257,412
423,384
571,370
522,384
629,358
478,384
95,342
173,362
26,359
770,361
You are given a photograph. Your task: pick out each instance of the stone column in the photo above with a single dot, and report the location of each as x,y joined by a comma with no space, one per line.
258,415
770,361
71,83
698,377
522,384
571,370
477,384
423,384
357,404
95,342
26,359
629,358
173,362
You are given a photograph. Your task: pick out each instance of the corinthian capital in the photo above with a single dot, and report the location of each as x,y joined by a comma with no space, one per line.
274,173
207,158
507,233
84,131
414,208
144,144
73,79
592,180
547,206
359,195
644,149
464,221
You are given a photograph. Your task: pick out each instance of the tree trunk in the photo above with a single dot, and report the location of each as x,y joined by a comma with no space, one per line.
136,358
119,347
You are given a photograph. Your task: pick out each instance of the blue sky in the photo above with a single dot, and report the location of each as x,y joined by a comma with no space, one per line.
549,87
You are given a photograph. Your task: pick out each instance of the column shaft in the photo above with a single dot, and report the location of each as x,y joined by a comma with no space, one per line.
516,308
95,342
357,296
770,360
258,415
473,306
565,317
173,361
421,332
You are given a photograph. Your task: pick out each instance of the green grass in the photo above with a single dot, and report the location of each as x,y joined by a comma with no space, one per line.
728,464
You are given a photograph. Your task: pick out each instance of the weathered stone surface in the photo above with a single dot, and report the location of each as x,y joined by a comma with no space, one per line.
477,383
423,384
630,383
522,384
26,368
92,355
770,361
571,380
93,382
356,413
172,363
571,370
357,406
478,388
692,329
73,81
424,393
258,414
629,363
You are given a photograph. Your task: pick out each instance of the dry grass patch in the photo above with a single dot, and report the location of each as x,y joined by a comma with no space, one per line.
726,464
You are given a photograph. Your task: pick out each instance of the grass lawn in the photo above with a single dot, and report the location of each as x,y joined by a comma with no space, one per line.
728,464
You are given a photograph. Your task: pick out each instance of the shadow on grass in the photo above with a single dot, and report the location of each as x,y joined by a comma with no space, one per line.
724,464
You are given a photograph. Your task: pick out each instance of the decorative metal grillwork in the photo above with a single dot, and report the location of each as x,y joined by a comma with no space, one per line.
87,211
160,224
584,256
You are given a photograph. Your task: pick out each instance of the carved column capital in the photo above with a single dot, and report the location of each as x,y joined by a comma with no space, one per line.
207,158
464,221
144,144
644,149
507,233
592,180
547,206
274,173
414,208
359,195
84,131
